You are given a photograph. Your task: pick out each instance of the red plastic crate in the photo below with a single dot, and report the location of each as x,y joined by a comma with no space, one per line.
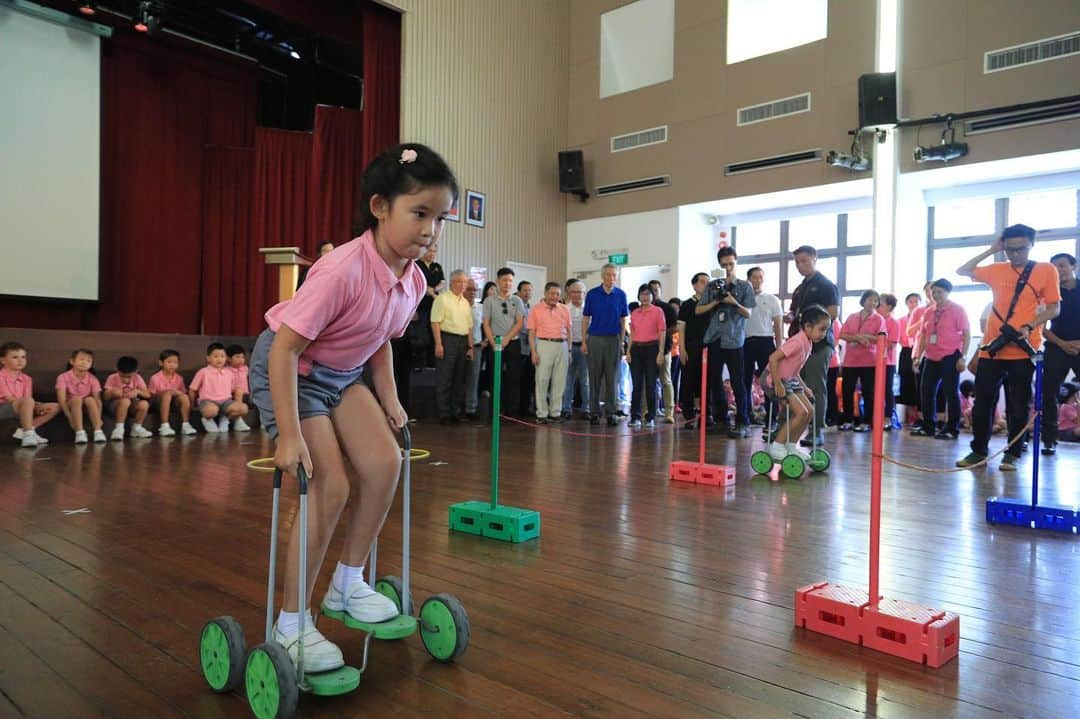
913,632
716,475
831,609
683,471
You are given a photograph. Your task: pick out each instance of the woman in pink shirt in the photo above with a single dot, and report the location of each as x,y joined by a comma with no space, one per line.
944,343
892,339
909,386
306,379
78,390
645,355
860,332
781,382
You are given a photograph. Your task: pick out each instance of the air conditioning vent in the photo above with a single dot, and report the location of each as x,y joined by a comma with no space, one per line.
645,183
1043,115
634,140
774,109
1051,48
767,163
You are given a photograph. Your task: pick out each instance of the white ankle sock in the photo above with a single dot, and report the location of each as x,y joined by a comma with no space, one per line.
289,622
345,576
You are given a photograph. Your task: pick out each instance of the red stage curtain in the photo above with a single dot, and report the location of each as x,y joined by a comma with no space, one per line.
279,209
336,168
230,258
382,80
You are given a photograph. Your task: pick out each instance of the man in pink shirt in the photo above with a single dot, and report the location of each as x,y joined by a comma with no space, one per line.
16,397
549,328
217,393
944,343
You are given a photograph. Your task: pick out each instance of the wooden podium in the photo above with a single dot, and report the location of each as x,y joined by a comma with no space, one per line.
289,261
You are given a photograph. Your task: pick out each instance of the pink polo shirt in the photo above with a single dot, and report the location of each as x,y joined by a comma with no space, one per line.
14,385
943,330
349,306
127,390
905,341
550,322
913,318
160,383
76,387
242,377
796,349
856,355
892,337
646,324
215,384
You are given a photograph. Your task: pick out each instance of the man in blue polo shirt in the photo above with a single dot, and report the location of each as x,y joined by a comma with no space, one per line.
602,331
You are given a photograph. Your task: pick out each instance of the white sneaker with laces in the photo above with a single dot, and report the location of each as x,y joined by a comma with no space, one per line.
223,424
777,451
240,425
40,439
80,437
117,433
18,434
166,430
795,449
320,654
361,602
140,432
209,425
99,435
29,439
187,429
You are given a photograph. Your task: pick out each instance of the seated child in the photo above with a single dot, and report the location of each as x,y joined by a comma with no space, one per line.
16,398
217,393
781,381
1069,413
967,402
237,364
126,390
167,385
77,390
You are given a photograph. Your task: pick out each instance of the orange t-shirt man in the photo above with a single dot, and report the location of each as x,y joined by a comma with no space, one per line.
1042,288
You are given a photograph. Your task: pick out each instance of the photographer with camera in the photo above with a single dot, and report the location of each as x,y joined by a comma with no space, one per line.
1013,335
728,301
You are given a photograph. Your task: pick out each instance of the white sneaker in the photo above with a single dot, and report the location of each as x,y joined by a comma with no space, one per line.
140,432
223,424
166,430
80,437
650,424
209,425
18,434
320,654
777,451
240,425
99,435
635,424
361,602
29,439
795,449
187,429
117,434
40,439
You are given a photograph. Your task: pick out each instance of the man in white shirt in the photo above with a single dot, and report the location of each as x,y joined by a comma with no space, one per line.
577,374
764,331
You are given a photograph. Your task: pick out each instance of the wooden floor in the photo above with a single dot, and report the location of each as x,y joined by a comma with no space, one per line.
643,598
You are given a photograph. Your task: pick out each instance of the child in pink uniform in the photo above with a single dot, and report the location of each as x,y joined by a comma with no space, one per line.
237,364
306,380
166,386
782,382
17,399
217,393
125,390
78,390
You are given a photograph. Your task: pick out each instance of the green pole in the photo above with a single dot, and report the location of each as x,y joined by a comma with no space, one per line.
496,401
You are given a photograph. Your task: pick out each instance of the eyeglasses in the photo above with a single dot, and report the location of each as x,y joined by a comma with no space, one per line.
1017,250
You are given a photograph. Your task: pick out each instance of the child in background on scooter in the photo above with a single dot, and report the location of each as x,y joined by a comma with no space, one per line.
782,382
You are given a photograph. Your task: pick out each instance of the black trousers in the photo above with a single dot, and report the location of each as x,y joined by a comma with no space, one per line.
756,353
527,385
450,376
941,376
832,413
510,390
865,377
690,383
909,382
1055,369
644,373
890,396
733,360
990,375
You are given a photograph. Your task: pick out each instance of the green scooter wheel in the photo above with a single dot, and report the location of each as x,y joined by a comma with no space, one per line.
444,627
270,680
221,654
793,466
820,460
761,462
391,588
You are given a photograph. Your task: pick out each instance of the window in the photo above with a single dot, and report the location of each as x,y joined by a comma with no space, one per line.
946,261
964,218
637,46
818,231
762,27
825,265
1044,210
759,238
849,305
860,228
772,275
1045,249
859,272
973,303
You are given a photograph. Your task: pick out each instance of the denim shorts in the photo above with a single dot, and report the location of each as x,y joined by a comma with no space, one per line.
317,393
790,385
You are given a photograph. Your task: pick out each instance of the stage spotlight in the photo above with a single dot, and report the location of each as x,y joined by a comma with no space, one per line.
87,8
147,21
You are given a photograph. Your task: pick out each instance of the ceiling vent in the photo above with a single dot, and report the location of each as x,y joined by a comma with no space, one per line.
642,138
645,183
1051,48
1067,111
768,163
773,110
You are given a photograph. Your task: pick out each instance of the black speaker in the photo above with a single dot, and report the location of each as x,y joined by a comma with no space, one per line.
877,99
572,171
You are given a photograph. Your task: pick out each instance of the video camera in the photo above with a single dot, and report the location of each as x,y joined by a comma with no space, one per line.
720,288
1009,334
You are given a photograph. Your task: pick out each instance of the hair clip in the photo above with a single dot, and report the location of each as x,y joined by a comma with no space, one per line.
407,156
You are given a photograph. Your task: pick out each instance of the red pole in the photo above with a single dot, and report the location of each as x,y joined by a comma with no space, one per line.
704,412
875,468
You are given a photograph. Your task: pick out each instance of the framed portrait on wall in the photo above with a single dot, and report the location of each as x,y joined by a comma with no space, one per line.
475,208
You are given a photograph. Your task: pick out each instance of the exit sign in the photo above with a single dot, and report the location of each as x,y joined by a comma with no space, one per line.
619,259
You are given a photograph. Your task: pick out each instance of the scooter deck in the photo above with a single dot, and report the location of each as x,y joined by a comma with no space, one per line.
399,627
333,682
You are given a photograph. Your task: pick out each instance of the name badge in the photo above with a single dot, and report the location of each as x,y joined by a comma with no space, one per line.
721,316
933,339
